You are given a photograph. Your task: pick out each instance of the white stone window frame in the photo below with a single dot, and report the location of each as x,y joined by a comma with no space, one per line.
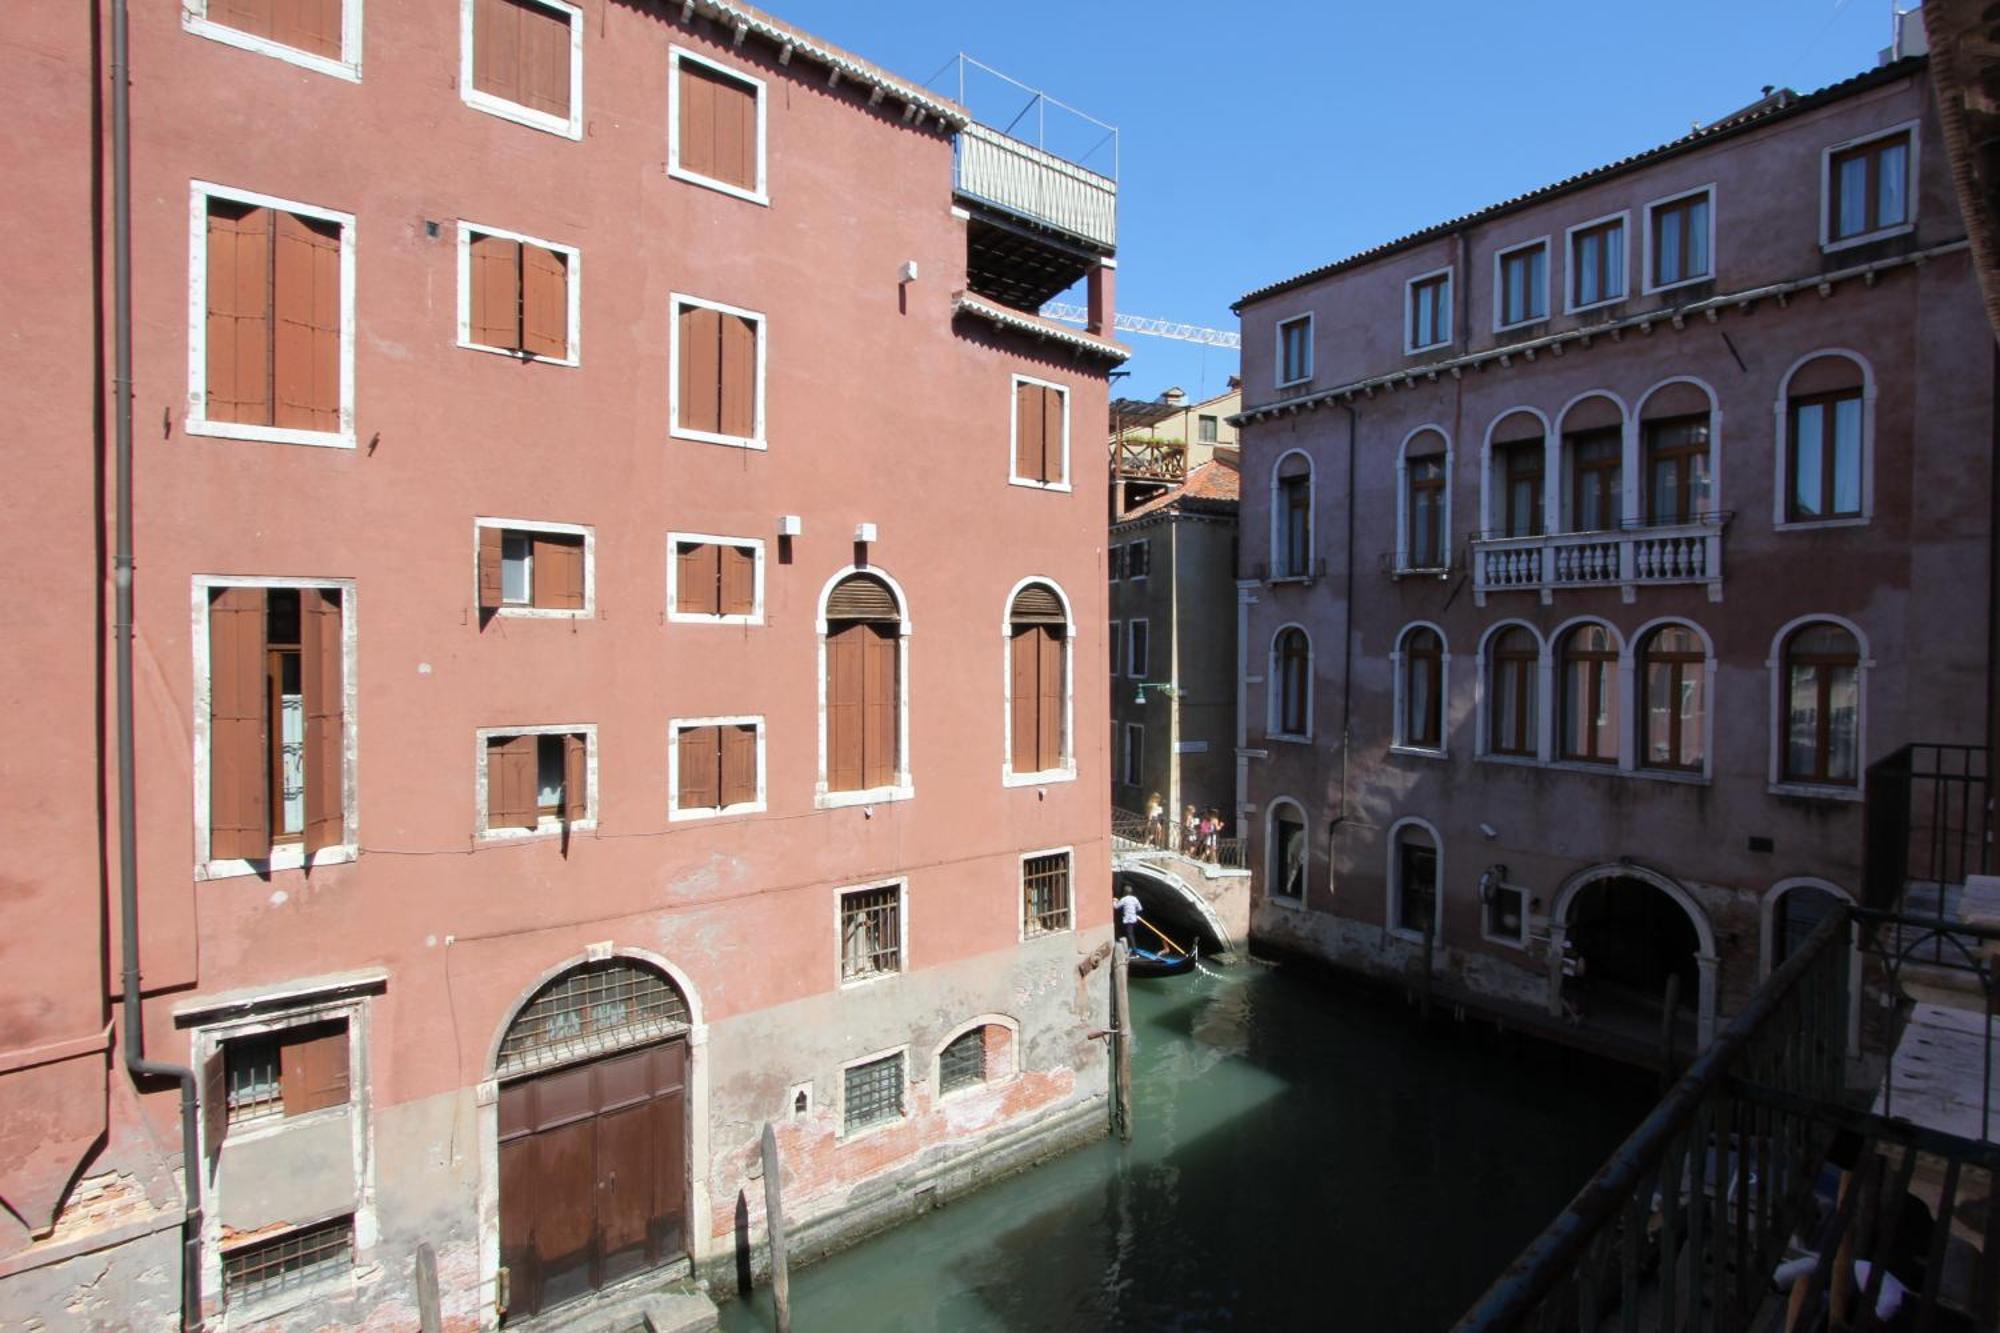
841,981
1277,547
550,826
1278,360
573,339
1014,435
1519,939
758,437
1782,433
1021,893
1274,692
1777,784
195,19
992,1080
1550,721
676,813
1647,287
678,55
1393,914
1908,131
521,612
570,128
1133,774
843,1135
1141,543
1631,664
904,787
1403,566
1500,258
197,422
1492,496
1398,661
284,856
1623,217
754,545
1557,463
1482,745
1272,870
1411,347
1635,462
1066,772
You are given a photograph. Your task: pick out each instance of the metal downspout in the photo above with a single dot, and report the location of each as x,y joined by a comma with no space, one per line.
1346,630
136,1063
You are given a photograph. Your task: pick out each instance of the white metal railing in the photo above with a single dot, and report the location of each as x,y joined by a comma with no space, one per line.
1003,171
1680,553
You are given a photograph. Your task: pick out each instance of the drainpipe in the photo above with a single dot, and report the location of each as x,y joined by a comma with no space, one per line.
136,1063
1346,630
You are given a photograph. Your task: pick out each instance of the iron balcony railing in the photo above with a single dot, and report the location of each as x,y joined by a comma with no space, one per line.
1131,833
1634,554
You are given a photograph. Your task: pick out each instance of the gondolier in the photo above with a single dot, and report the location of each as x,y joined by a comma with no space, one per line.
1127,909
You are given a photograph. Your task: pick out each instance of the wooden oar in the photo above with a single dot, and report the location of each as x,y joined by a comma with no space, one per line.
1157,931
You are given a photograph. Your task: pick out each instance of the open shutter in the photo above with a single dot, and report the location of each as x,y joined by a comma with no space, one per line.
545,64
544,302
239,756
697,120
558,572
312,1069
496,48
1022,663
1028,431
306,309
700,765
495,280
879,724
511,795
576,778
238,379
739,580
491,541
845,660
309,25
695,579
739,764
700,337
739,376
214,1105
1052,435
1049,706
320,662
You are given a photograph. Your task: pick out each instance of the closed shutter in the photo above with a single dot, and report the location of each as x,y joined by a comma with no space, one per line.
701,369
253,16
313,1068
879,743
696,580
309,25
496,292
738,580
1037,604
696,130
544,302
491,544
545,63
1052,435
322,679
718,126
306,320
576,778
700,765
1023,662
238,379
739,764
1049,705
214,1105
1028,431
739,376
859,597
238,744
558,572
496,48
512,799
845,663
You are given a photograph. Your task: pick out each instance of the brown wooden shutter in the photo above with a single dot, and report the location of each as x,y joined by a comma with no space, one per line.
253,16
739,764
1028,431
576,777
845,664
313,1068
696,129
512,795
1052,435
739,376
701,369
735,133
322,678
859,597
544,302
1049,704
700,764
558,572
1037,604
738,580
214,1104
491,545
238,376
695,579
496,291
544,77
1025,729
306,324
496,48
879,724
309,25
239,756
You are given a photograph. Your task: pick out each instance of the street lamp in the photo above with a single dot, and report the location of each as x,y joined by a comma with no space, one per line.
1158,687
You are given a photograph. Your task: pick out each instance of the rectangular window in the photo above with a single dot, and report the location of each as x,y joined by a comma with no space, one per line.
1597,264
517,295
1139,558
1206,429
1117,642
1430,311
1295,350
871,933
1416,902
1522,285
287,1072
718,384
1041,433
1045,898
716,134
273,358
1868,188
1597,480
1295,527
1521,502
523,61
871,1093
277,722
1505,913
290,1262
1135,754
536,781
1114,563
539,568
718,766
317,34
1138,649
1826,456
1424,523
715,579
1680,233
1678,484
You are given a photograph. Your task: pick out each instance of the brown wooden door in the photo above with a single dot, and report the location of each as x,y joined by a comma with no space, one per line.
593,1175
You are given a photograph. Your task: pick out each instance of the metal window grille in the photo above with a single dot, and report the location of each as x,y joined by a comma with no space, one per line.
597,1007
288,1262
873,1093
963,1063
871,933
252,1069
1045,893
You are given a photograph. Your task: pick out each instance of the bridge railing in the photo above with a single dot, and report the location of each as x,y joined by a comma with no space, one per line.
1132,832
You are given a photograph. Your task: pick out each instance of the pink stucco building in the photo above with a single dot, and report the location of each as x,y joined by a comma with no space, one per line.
1597,546
617,655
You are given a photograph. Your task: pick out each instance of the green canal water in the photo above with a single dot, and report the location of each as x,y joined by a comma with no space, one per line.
1306,1157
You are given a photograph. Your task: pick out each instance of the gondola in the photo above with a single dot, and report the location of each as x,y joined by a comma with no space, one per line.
1147,963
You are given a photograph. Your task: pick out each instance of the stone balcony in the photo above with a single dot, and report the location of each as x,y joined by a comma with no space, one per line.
1626,559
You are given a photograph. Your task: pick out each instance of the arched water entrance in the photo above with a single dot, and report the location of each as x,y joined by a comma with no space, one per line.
592,1132
1631,937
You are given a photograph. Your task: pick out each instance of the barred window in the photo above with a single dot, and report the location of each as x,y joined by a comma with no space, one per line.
254,1088
1045,893
962,1063
872,1093
288,1262
597,1007
871,933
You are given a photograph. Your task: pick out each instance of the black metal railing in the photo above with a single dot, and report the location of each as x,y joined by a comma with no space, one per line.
1928,826
1132,832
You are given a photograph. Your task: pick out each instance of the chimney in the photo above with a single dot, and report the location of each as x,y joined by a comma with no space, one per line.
1174,397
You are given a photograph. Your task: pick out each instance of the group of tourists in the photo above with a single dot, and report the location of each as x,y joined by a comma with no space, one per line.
1197,835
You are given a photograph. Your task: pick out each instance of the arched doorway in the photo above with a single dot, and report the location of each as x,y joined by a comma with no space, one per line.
1629,935
592,1133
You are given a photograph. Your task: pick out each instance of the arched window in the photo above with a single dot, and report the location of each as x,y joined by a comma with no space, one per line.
1425,541
1589,695
593,1008
1287,865
1795,915
1422,722
1679,474
1673,699
1413,875
1517,471
1291,519
863,685
1822,678
1510,694
1037,681
1291,670
1824,462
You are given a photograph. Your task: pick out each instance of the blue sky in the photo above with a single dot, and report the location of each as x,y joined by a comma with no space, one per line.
1258,140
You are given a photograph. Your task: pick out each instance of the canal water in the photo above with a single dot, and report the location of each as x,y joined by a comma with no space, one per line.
1306,1156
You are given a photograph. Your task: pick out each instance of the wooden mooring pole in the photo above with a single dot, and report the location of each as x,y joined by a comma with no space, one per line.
774,1219
1121,1032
